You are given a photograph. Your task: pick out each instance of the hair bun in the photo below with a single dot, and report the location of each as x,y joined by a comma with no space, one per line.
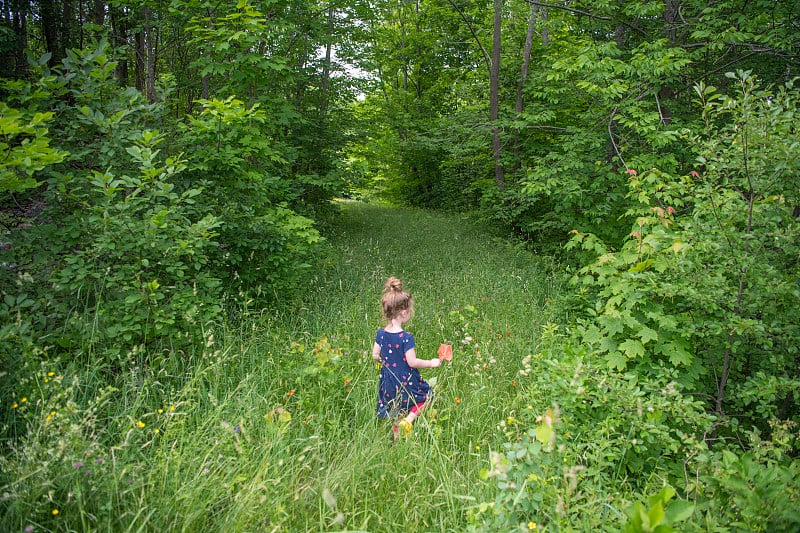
393,285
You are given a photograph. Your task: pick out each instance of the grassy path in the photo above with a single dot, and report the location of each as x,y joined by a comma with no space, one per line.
472,290
271,425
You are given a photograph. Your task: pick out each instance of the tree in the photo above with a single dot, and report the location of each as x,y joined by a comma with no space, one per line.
494,94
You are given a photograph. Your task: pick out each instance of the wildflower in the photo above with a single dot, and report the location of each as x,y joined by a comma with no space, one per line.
405,427
290,393
77,464
671,210
694,173
531,525
29,528
631,172
23,400
14,405
99,460
51,374
156,431
171,407
477,448
140,424
160,411
458,400
54,512
346,382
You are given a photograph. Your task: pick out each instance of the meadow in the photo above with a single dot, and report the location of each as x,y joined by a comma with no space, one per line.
270,425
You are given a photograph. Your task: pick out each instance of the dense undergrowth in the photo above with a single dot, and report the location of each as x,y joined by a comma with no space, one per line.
268,423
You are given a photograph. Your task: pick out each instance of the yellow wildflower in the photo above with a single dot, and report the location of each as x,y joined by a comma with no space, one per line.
405,427
140,424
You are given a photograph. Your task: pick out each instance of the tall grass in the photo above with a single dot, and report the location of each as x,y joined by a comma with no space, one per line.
270,426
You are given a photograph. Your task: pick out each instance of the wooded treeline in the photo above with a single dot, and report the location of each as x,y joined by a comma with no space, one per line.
164,162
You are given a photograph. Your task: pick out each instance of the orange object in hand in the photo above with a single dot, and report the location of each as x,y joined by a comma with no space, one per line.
445,352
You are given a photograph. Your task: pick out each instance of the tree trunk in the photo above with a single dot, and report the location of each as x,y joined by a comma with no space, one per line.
494,95
16,64
51,30
150,76
326,70
612,149
119,36
519,106
139,55
665,92
98,12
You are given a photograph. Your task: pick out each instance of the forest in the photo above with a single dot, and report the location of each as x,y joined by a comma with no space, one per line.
596,203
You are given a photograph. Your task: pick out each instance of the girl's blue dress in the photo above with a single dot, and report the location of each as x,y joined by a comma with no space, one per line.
401,387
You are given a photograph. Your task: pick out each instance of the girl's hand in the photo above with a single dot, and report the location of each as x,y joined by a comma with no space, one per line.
435,363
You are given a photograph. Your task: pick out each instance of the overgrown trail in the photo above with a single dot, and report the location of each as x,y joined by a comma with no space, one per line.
275,428
472,290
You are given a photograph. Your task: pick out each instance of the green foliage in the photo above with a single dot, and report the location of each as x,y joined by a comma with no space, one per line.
24,147
125,250
263,241
659,515
704,281
590,444
142,266
756,490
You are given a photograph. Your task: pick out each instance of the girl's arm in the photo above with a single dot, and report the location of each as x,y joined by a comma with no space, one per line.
413,362
376,351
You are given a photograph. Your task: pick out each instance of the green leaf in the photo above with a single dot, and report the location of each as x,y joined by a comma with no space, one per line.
545,434
656,514
679,510
632,348
647,335
676,353
616,360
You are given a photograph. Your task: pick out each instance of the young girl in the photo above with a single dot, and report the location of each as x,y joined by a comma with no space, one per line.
401,391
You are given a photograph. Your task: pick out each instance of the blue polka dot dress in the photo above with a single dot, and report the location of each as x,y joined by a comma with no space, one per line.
401,387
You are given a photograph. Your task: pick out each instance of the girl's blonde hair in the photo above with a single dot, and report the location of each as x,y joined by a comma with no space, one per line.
395,300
